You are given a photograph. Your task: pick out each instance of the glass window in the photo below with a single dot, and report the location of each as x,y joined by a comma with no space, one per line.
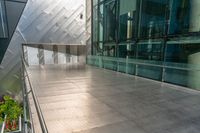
122,50
150,53
184,16
110,21
3,24
182,51
94,49
150,50
194,17
95,24
95,2
109,50
97,48
101,24
127,19
153,18
127,50
179,16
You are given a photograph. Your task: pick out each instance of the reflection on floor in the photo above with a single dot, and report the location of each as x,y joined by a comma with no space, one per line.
91,100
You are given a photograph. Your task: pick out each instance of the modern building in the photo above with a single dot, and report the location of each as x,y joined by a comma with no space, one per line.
102,66
156,39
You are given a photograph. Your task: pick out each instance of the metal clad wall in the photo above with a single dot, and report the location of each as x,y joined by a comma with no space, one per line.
44,21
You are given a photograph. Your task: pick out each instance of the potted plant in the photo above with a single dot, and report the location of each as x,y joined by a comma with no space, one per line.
1,115
11,112
1,120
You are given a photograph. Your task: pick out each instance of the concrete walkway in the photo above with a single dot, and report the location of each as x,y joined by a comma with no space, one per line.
86,99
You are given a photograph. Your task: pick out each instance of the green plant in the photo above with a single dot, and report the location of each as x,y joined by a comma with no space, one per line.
12,110
1,113
1,117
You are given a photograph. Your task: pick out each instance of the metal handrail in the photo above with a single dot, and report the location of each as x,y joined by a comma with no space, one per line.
36,103
26,104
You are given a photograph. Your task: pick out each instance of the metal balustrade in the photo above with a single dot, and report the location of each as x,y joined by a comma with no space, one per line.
28,122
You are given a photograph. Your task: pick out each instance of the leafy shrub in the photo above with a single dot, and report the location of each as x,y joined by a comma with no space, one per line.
12,109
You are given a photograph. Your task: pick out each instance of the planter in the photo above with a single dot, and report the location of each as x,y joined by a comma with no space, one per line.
19,127
12,111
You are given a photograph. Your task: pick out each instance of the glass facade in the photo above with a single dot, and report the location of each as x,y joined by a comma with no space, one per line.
3,21
157,39
10,13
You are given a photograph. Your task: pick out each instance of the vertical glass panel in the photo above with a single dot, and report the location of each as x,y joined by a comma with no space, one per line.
110,63
131,51
181,54
183,16
194,7
14,11
109,50
175,76
101,22
95,2
97,48
151,72
93,60
95,24
126,50
131,68
94,49
153,18
125,66
122,65
150,50
122,50
127,19
3,23
182,51
150,54
110,21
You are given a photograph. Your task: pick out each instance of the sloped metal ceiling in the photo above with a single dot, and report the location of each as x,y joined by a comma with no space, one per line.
44,21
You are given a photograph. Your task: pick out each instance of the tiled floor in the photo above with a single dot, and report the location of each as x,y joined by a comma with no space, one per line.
91,100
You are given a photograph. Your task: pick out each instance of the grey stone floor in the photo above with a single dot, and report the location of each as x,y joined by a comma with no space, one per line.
91,100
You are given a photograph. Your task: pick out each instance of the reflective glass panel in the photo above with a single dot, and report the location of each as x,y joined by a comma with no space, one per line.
180,16
110,22
101,24
3,23
95,2
182,51
127,19
109,50
95,24
153,18
127,50
150,50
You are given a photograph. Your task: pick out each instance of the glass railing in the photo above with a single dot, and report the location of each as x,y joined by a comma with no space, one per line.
187,75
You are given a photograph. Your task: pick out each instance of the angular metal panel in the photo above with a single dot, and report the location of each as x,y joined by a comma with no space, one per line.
45,21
